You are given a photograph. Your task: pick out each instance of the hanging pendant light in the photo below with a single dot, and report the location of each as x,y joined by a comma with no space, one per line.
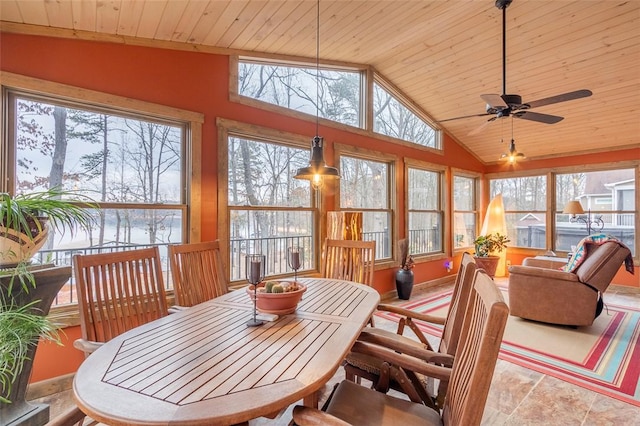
513,155
317,170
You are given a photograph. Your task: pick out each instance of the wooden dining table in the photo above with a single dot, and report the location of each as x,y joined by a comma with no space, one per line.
205,366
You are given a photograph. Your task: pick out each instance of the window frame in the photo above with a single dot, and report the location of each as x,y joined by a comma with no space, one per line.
405,101
231,128
557,209
476,204
12,85
392,170
551,198
443,202
544,213
369,74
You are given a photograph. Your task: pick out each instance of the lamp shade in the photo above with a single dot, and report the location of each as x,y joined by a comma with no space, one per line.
317,166
573,208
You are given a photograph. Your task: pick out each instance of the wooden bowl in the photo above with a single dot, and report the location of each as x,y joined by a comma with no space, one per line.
277,303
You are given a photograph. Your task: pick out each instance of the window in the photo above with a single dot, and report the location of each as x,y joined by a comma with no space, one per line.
129,163
465,211
525,208
268,209
608,199
295,87
365,186
392,118
425,213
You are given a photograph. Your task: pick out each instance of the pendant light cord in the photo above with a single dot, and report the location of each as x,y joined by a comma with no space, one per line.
318,68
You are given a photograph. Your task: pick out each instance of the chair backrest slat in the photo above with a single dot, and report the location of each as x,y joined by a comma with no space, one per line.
197,271
483,327
119,291
349,260
459,300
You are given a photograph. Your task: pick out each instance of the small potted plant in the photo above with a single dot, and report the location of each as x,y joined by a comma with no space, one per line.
27,291
404,275
486,248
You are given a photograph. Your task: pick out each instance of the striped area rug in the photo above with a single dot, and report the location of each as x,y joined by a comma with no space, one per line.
604,357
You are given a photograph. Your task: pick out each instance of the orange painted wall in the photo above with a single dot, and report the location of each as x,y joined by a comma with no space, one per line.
196,82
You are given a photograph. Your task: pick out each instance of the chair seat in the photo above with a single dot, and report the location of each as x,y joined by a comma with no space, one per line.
359,405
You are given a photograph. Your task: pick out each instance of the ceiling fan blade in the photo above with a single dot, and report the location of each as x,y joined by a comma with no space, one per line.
561,98
494,100
464,116
535,116
481,127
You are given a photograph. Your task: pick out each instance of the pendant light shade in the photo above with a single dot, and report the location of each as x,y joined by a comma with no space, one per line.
317,165
317,170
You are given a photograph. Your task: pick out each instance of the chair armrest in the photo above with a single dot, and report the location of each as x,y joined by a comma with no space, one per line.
408,348
86,346
412,314
406,361
307,416
542,273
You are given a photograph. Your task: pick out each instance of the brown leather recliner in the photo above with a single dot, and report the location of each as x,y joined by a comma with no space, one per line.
540,291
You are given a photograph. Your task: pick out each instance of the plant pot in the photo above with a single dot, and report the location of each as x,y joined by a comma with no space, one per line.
16,247
404,283
488,263
277,303
49,280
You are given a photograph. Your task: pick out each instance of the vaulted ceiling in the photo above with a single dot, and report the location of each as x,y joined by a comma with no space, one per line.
442,54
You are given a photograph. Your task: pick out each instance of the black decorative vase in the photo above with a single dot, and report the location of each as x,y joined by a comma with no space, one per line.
404,283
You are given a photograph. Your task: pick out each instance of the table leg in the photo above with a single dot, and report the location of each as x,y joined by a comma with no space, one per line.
311,400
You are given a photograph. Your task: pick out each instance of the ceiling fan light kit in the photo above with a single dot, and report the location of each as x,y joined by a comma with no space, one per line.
513,155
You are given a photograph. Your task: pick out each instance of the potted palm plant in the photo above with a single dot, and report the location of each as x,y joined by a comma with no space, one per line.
486,247
27,291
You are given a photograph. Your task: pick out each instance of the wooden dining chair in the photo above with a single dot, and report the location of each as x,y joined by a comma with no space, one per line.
197,271
117,292
349,260
469,378
73,416
362,366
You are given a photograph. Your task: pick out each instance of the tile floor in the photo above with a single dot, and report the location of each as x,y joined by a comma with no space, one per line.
518,396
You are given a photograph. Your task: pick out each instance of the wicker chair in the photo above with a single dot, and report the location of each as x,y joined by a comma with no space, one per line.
197,271
469,379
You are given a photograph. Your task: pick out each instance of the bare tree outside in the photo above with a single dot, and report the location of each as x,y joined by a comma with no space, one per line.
334,95
111,159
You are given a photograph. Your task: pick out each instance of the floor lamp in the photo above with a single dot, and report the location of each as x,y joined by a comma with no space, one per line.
494,222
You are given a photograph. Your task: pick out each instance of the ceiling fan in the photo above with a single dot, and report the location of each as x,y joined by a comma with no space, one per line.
511,105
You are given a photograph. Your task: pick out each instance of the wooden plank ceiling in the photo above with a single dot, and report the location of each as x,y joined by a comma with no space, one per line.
441,54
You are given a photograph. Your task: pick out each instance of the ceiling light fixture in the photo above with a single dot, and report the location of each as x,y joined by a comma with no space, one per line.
317,170
513,155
